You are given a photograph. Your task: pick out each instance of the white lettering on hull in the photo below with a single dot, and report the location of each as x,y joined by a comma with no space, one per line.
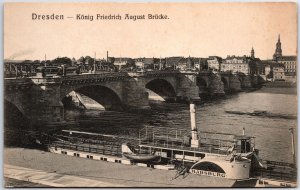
207,173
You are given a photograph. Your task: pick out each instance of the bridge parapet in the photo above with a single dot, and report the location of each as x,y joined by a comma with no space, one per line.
16,81
46,80
94,78
98,75
153,73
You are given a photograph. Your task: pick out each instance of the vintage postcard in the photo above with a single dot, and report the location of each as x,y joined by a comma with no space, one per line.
150,94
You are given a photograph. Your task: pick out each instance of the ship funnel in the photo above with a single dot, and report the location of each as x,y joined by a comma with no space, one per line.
194,130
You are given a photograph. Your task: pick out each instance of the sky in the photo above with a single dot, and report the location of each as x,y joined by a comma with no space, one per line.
192,29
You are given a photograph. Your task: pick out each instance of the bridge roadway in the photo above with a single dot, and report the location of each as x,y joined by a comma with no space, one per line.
40,99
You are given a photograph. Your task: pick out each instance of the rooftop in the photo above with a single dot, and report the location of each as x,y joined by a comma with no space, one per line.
288,58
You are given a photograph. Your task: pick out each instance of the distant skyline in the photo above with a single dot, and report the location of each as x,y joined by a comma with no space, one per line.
193,29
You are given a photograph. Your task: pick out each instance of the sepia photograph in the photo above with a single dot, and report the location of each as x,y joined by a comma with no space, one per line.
159,95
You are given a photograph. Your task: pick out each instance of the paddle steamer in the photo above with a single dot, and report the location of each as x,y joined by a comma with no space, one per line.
220,155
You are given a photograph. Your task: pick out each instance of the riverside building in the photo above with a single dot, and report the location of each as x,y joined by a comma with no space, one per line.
289,62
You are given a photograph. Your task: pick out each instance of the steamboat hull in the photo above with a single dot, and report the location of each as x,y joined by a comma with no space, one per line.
171,160
186,180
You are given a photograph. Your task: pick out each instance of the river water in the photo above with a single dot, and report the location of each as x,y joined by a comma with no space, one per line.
273,138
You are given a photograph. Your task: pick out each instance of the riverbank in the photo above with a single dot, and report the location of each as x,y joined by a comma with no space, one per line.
61,169
278,90
14,183
281,84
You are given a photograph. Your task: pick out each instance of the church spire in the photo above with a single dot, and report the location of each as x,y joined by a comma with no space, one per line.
278,51
252,53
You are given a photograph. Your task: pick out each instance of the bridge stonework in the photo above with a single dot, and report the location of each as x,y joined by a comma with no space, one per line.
184,84
187,88
214,84
135,95
36,102
245,81
40,99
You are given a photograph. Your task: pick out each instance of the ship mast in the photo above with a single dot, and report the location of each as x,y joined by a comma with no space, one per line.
194,130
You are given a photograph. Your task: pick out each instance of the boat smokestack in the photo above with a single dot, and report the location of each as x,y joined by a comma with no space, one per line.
194,130
243,131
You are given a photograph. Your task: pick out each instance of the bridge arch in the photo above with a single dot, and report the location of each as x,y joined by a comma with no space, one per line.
102,94
225,83
13,115
161,88
202,83
240,79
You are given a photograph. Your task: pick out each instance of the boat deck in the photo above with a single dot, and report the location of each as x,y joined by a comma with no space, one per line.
179,139
174,143
205,148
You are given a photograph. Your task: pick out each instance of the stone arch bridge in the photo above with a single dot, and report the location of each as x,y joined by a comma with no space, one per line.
40,99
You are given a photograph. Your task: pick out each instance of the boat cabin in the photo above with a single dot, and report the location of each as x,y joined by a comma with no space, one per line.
244,144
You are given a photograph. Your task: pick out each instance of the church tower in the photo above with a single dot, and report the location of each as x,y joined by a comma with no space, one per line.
252,53
278,51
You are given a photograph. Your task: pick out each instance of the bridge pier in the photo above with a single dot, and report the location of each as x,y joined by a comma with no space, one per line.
216,86
46,105
135,96
38,103
210,84
234,84
245,81
231,82
187,89
257,81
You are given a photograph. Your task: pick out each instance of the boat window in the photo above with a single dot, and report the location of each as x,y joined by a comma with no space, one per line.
177,152
74,154
189,154
78,155
245,146
91,157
